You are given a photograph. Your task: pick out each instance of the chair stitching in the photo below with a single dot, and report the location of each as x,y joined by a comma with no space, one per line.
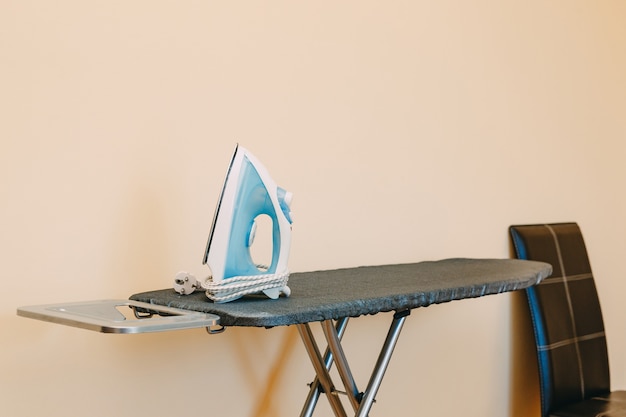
566,342
571,309
571,278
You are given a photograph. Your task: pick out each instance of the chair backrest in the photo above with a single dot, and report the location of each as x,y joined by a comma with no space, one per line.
566,316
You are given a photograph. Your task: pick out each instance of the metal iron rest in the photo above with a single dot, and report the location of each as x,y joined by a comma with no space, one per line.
105,317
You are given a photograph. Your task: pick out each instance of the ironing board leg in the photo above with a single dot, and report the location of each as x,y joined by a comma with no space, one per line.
383,361
334,344
320,369
316,388
361,402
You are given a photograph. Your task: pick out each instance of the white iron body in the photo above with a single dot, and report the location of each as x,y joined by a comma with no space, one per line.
249,192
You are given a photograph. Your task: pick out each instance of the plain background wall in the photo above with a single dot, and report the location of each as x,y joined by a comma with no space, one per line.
406,130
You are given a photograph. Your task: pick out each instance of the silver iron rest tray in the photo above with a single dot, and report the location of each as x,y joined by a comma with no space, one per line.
105,317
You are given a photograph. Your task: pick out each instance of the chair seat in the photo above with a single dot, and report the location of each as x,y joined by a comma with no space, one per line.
608,405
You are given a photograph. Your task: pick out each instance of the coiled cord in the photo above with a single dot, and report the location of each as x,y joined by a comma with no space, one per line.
236,287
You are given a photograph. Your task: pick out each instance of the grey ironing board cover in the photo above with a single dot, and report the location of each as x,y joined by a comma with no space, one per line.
352,292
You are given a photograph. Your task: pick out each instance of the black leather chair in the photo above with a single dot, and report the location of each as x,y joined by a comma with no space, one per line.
568,325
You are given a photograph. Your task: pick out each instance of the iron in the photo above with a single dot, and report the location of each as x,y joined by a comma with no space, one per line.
248,192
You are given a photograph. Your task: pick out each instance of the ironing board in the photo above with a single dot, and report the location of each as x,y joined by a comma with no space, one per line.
331,297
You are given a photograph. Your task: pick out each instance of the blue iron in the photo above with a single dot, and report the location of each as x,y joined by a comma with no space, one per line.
248,192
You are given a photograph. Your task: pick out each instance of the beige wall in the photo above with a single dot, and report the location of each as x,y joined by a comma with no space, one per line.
406,130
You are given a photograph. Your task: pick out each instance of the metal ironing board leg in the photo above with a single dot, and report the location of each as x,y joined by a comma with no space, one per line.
320,369
334,344
316,388
362,403
383,361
